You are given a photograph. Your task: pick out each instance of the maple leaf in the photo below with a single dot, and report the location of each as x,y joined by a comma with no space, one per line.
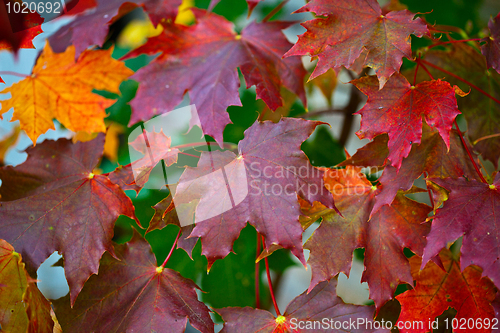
91,27
61,88
264,181
491,48
203,59
308,308
156,147
398,110
38,309
374,153
22,307
482,113
123,176
436,290
13,284
132,294
55,203
467,201
17,29
349,27
433,158
383,236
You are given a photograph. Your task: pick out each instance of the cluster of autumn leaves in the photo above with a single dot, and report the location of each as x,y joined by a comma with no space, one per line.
56,202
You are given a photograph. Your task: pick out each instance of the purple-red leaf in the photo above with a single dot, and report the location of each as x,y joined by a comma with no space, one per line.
91,27
203,59
259,186
305,313
471,211
431,156
349,27
58,204
132,294
481,112
491,49
437,289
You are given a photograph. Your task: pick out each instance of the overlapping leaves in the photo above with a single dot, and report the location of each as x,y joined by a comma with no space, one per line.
203,60
259,186
471,211
22,307
91,27
436,290
131,293
383,236
398,110
61,88
349,27
53,202
306,310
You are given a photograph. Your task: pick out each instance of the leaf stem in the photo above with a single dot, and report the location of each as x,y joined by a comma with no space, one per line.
469,153
187,154
13,74
172,249
429,191
278,313
419,61
319,113
416,71
257,274
196,144
275,10
461,79
453,41
486,137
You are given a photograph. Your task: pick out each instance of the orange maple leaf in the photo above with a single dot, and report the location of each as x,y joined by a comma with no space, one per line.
60,87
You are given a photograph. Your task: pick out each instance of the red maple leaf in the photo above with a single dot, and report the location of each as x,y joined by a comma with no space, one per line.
491,48
462,61
55,203
383,236
431,156
349,27
437,289
398,110
305,313
259,186
471,211
203,59
132,294
17,30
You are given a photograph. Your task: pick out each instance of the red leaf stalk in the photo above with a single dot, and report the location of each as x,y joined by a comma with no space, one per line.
278,313
257,274
172,249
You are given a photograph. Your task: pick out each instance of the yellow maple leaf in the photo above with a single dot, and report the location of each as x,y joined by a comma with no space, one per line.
60,87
